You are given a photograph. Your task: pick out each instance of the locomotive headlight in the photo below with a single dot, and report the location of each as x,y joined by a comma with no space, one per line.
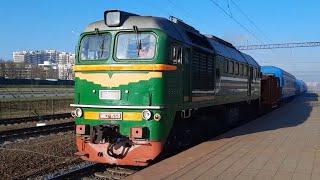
115,18
112,18
146,114
78,112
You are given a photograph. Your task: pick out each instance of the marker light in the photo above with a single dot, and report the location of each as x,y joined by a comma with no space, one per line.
146,114
157,117
78,112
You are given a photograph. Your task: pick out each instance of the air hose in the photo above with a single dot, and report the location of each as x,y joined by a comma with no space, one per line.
120,142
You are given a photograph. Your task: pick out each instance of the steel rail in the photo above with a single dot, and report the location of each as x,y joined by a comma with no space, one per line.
33,118
32,131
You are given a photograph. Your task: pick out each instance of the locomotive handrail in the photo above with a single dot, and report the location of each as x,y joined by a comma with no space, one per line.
132,67
115,107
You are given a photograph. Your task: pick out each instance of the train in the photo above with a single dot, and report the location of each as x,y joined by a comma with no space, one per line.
288,84
301,87
136,76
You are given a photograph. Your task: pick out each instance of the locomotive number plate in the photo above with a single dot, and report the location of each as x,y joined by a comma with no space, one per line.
110,94
110,115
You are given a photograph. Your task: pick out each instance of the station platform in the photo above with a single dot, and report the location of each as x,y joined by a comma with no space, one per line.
283,144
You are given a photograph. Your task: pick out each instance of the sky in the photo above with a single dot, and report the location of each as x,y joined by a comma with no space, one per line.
57,24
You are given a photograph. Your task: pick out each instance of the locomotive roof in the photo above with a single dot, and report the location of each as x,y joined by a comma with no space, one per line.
250,60
142,22
180,31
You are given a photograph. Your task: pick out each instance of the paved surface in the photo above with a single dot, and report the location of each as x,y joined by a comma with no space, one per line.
284,144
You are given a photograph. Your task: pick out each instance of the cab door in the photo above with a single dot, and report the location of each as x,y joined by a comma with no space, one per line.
181,58
186,55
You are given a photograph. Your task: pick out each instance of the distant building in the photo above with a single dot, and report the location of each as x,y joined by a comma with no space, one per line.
19,56
65,71
49,62
48,65
50,70
52,55
35,57
66,58
65,62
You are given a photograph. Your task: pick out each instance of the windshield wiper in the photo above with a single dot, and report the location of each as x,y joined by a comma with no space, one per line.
139,46
102,48
138,41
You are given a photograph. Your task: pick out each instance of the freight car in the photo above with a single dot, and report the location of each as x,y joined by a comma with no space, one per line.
287,82
270,92
135,76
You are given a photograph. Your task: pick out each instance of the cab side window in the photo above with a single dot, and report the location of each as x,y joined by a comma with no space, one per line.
176,54
230,67
255,74
245,70
225,66
241,69
236,68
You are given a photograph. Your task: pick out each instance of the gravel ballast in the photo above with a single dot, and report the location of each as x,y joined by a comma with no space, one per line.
37,156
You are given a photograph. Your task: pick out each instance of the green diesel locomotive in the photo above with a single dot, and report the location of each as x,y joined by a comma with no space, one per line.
135,74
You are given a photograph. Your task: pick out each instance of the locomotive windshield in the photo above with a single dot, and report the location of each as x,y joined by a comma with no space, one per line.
136,46
95,47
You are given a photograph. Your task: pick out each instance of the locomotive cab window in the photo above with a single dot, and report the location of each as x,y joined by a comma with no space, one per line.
95,47
176,51
136,46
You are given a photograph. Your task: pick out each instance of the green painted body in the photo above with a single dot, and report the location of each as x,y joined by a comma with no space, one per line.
173,91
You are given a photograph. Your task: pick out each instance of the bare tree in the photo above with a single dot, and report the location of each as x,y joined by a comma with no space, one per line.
2,69
11,70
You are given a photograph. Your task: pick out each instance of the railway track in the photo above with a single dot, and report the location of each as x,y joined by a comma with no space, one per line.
73,172
116,172
33,119
91,170
34,131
